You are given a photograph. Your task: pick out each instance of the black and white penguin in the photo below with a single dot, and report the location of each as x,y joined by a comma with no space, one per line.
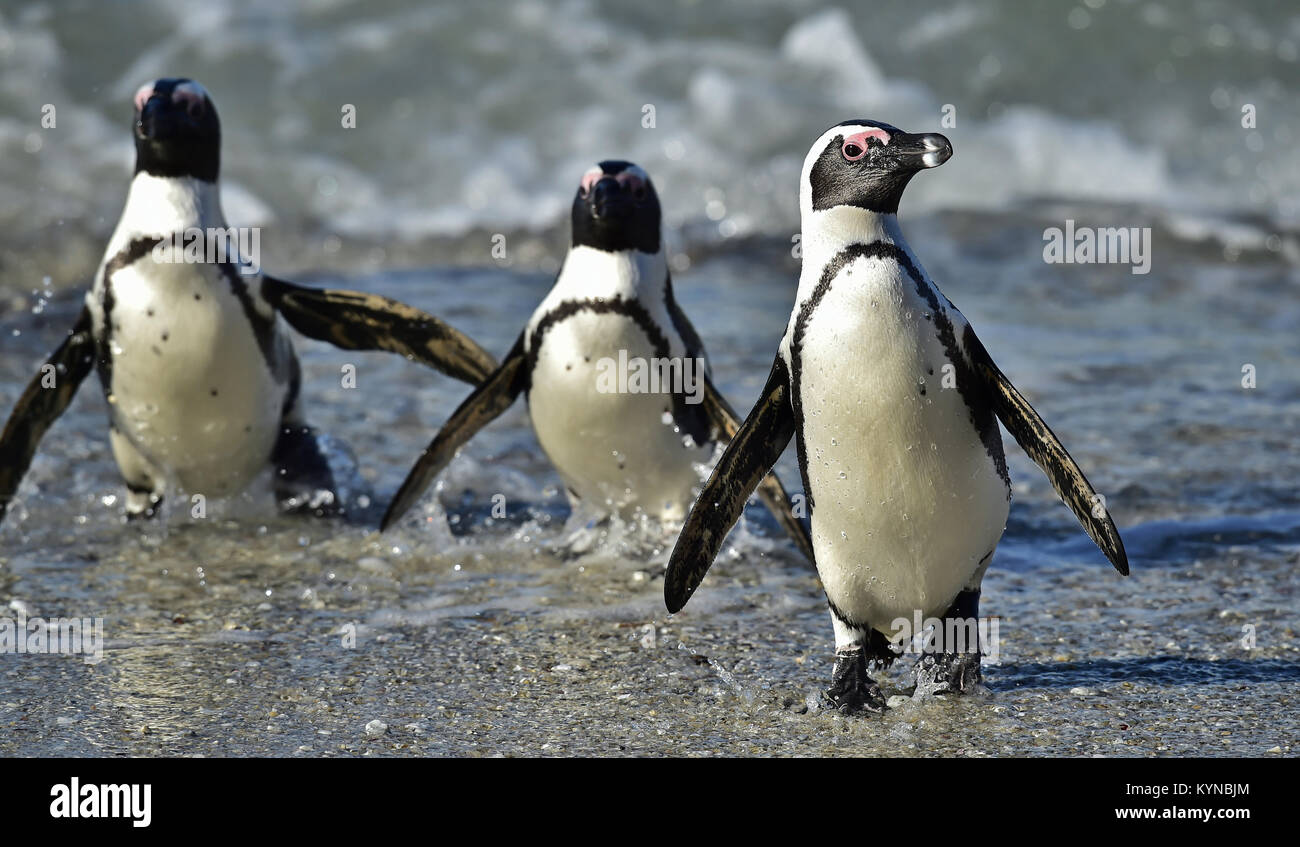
904,471
619,450
199,372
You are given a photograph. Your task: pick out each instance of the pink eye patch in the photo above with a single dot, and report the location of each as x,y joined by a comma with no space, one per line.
855,145
189,95
630,181
142,95
186,93
590,178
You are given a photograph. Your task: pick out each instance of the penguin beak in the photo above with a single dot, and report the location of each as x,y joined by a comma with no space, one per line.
608,199
921,151
160,120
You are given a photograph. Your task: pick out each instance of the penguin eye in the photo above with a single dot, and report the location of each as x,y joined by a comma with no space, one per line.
853,151
195,108
638,193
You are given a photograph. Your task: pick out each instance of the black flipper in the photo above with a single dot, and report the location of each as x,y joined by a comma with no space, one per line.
304,483
770,490
694,419
354,320
40,406
489,400
754,448
722,419
1042,445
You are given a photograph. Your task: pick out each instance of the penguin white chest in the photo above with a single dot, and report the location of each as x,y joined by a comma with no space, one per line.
908,503
608,429
191,389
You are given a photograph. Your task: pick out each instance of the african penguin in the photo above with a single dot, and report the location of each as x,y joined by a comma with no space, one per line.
199,373
622,451
905,476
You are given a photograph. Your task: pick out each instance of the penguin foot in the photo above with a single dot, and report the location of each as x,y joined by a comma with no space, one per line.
146,514
852,690
304,483
142,504
321,503
961,671
953,654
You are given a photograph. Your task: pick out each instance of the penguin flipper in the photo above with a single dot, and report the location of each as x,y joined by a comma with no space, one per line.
1037,439
754,448
770,490
485,404
40,406
354,320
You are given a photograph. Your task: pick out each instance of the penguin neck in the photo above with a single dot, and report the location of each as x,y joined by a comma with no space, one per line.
162,205
827,233
630,274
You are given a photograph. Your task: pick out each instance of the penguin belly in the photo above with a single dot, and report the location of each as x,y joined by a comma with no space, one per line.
190,389
907,504
614,448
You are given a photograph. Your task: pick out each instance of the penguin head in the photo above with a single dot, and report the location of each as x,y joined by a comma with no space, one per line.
176,130
616,208
866,164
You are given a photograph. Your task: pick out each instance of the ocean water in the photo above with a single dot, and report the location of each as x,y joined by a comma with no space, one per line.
465,634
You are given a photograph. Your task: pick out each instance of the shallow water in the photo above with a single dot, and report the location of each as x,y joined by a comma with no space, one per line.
478,636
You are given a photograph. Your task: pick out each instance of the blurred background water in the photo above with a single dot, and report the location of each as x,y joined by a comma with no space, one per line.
482,115
481,636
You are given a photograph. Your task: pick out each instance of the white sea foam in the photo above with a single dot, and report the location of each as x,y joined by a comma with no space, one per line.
473,117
